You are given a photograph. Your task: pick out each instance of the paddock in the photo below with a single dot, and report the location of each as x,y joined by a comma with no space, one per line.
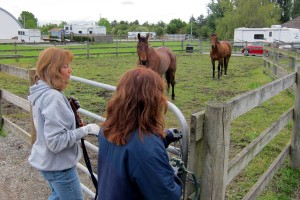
212,126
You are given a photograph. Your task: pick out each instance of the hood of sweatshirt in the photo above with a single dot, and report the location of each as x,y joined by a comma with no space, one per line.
37,90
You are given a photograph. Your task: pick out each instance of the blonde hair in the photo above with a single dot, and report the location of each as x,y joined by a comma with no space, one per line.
48,66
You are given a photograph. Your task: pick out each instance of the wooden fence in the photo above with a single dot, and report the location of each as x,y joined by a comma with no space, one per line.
19,51
210,134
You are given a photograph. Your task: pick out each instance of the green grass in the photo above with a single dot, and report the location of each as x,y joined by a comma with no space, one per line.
194,89
2,133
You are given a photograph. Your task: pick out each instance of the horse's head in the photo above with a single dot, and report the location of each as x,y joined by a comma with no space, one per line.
142,49
213,40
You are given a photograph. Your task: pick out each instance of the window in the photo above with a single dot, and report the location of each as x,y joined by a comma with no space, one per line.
259,36
91,32
270,34
80,32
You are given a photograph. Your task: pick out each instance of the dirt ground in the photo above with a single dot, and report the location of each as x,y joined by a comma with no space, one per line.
18,179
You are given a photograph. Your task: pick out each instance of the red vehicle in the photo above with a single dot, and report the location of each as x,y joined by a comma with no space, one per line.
254,48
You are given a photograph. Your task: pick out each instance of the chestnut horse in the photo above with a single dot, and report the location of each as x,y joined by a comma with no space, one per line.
220,50
162,60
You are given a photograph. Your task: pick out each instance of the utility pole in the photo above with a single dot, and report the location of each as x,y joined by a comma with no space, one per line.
24,21
192,27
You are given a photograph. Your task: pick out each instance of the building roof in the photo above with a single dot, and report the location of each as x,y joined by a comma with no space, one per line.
9,25
56,30
294,23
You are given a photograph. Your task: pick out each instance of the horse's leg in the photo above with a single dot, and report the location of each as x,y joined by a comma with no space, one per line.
220,65
167,76
172,79
225,66
213,68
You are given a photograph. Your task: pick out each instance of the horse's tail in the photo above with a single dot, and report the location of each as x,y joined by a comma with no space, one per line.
173,60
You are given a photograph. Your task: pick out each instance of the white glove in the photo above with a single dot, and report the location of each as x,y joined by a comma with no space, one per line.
91,129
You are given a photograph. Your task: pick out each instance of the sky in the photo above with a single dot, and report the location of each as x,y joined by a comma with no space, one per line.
89,11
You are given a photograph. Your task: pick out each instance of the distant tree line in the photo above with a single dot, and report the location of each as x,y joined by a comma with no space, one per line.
223,16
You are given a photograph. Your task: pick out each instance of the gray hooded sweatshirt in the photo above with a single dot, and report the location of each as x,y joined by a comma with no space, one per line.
57,145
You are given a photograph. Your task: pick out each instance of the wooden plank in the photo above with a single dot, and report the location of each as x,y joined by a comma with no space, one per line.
249,100
240,161
10,127
197,125
216,151
295,142
263,181
14,99
195,148
284,52
14,71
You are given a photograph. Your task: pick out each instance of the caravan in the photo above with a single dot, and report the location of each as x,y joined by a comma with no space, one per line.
275,34
84,29
29,35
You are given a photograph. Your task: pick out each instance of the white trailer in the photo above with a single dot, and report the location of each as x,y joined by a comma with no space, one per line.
133,35
29,35
274,34
84,29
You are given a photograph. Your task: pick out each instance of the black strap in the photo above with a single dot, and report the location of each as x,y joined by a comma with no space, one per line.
85,154
89,166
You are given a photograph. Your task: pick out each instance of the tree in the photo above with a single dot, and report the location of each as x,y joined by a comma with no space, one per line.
176,26
296,9
105,22
287,9
263,14
28,20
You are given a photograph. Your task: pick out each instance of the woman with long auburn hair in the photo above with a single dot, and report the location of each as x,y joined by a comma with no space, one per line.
133,162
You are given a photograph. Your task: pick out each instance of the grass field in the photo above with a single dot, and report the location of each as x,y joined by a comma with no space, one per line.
194,89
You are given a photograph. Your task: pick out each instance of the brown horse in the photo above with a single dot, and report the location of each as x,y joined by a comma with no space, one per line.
162,60
219,50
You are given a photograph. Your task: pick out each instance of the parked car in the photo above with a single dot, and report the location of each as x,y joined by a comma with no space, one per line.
254,48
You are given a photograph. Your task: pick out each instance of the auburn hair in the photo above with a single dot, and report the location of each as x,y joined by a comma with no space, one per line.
48,66
138,103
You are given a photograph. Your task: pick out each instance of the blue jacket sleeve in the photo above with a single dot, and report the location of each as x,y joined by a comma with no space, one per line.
156,178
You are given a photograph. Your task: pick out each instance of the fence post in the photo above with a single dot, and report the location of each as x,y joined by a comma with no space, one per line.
0,109
31,73
87,50
216,141
295,142
265,62
292,63
276,63
200,46
117,49
195,151
15,49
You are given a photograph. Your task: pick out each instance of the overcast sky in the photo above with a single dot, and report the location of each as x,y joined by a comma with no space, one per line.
153,11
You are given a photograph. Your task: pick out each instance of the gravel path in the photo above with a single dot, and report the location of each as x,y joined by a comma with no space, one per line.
18,179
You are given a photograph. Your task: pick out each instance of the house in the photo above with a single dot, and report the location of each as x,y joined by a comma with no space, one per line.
56,33
294,23
29,35
9,25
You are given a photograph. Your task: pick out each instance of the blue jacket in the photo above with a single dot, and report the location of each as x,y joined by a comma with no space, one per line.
136,171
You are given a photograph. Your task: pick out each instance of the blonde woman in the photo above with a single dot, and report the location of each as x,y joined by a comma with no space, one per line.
56,149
